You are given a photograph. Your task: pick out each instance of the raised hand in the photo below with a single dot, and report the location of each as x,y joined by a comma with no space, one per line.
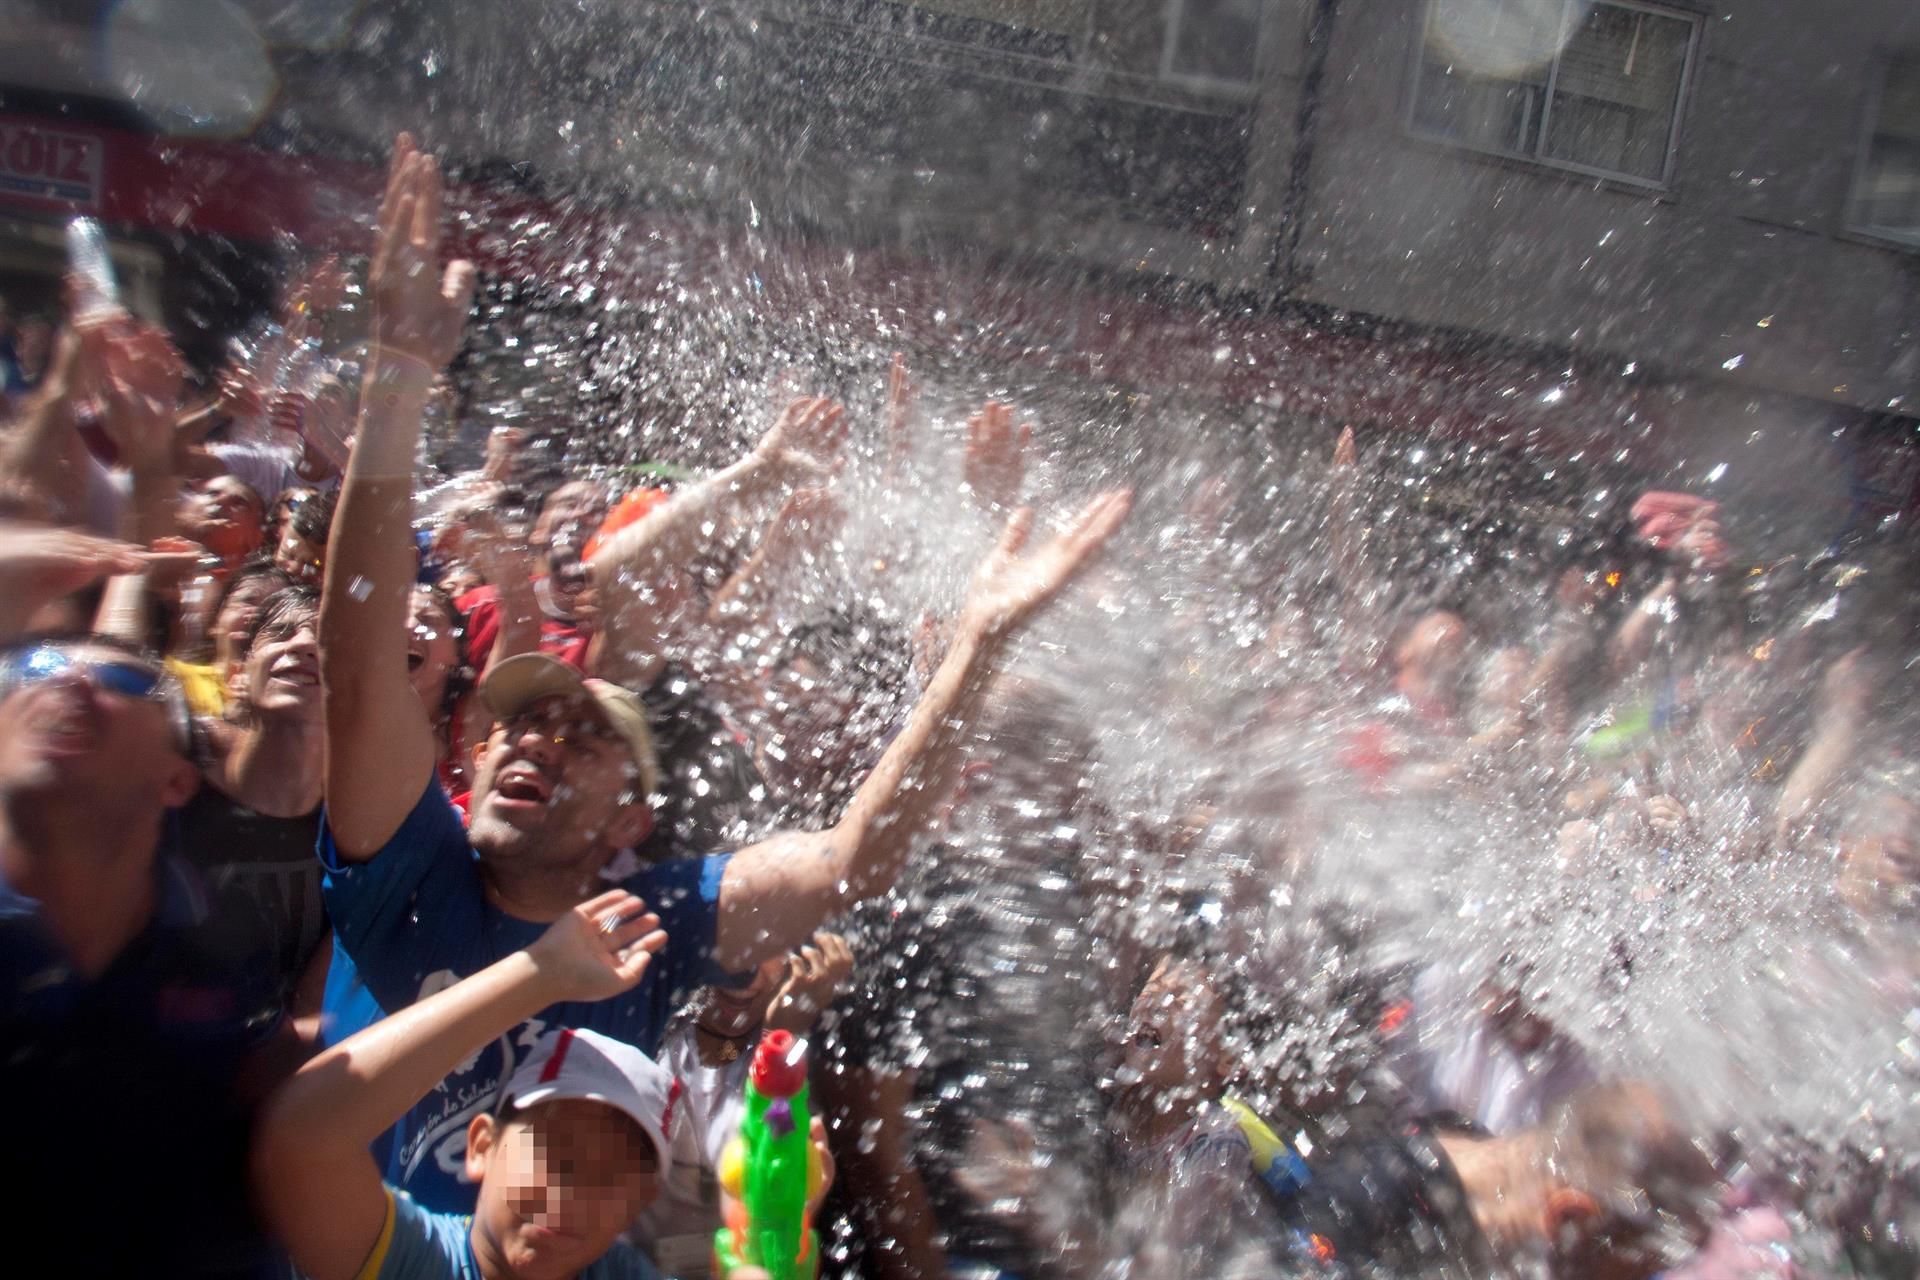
503,453
133,372
807,436
38,565
815,974
1010,585
470,530
171,560
599,949
996,458
317,290
418,310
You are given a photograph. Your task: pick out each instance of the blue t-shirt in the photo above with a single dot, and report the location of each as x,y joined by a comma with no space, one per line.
414,919
162,1037
417,1244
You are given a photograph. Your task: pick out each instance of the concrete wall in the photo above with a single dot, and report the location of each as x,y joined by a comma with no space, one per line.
1743,258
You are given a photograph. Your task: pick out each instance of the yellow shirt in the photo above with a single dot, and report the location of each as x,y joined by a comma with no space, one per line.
205,689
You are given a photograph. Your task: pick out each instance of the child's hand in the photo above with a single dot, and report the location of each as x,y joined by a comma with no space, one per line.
600,948
815,974
1001,1167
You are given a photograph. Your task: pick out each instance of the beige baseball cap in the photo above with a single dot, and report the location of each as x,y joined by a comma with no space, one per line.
526,678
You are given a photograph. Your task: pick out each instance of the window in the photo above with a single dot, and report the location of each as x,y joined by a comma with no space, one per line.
1595,88
1212,42
1886,189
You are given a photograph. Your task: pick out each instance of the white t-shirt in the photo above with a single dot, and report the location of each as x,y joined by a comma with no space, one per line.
269,469
1454,1060
678,1227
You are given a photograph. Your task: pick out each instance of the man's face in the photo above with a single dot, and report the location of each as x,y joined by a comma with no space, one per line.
558,1184
1173,1035
282,672
75,722
299,559
224,516
567,519
557,783
734,1011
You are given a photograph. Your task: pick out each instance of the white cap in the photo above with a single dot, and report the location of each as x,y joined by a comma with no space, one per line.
585,1064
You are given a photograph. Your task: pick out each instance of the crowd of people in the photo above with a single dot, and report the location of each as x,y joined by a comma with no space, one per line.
379,899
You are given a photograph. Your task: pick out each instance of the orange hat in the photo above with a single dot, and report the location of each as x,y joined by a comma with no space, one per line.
629,510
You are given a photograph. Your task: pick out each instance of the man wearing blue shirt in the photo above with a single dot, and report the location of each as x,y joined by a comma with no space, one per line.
562,783
121,1011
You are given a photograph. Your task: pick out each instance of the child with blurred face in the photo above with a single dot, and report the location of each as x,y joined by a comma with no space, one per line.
572,1156
580,1147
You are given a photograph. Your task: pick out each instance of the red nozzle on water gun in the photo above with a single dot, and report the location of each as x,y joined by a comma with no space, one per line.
779,1064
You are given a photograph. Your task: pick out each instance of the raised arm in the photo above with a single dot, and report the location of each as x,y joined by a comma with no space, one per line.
318,1187
41,449
380,745
779,891
38,565
635,571
137,375
1843,708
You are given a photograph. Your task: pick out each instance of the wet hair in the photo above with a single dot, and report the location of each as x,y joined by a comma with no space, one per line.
1298,1011
298,598
846,643
295,496
313,519
255,569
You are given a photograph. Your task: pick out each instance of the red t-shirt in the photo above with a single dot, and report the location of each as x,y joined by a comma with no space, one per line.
558,639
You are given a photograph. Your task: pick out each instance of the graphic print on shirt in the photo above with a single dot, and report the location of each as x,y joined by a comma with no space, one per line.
472,1088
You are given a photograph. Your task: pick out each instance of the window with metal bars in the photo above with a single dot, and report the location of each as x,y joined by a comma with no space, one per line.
1595,88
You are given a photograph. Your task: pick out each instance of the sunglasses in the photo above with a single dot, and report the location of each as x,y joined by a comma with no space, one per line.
127,677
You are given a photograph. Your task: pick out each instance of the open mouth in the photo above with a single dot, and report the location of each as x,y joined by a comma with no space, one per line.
537,1233
301,673
523,786
66,727
416,659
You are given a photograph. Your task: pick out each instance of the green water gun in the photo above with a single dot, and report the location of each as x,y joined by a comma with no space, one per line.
771,1171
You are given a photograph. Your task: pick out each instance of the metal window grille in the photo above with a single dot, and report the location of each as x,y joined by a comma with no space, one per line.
1593,88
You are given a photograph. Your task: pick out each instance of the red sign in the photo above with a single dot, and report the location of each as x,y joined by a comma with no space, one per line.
50,168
